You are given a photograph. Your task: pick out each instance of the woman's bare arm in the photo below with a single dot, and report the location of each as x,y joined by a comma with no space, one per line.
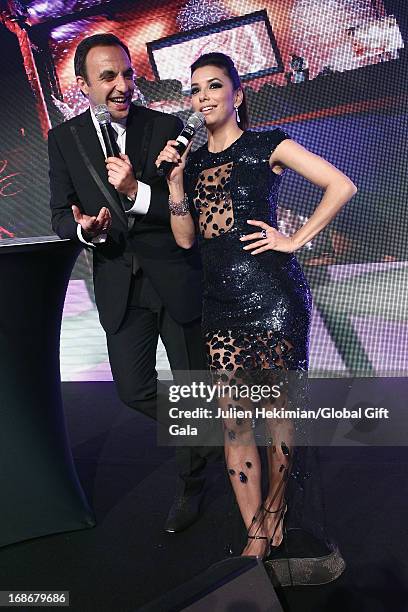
182,226
338,188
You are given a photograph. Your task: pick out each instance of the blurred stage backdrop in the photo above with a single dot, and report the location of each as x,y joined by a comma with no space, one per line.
332,73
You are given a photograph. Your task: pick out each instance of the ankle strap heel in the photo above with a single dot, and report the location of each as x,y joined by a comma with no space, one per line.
274,511
255,537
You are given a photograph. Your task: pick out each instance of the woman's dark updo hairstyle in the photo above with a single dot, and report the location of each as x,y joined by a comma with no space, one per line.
227,65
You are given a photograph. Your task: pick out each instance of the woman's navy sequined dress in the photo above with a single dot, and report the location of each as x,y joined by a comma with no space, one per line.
256,320
256,308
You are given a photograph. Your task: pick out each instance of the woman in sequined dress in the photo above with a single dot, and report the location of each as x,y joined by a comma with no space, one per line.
257,303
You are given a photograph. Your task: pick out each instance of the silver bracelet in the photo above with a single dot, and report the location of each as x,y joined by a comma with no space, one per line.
180,208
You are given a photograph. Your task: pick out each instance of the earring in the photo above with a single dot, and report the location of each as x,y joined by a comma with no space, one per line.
237,114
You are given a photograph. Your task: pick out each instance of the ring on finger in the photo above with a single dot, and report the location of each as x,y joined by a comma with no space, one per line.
264,233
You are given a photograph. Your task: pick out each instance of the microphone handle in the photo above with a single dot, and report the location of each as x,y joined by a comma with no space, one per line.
166,167
112,149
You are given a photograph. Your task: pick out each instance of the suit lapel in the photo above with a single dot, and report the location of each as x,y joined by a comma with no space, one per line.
90,141
138,136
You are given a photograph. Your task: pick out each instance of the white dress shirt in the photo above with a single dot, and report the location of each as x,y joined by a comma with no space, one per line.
143,196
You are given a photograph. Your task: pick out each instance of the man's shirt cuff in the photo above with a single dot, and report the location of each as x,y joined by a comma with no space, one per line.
97,240
142,203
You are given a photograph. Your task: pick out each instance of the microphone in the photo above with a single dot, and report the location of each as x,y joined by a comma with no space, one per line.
194,123
103,117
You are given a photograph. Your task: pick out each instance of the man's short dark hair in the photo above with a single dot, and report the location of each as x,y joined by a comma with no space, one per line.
97,40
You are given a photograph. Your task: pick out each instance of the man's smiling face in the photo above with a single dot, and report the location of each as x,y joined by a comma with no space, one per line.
109,79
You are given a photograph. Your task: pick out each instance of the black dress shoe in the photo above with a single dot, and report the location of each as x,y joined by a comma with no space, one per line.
183,513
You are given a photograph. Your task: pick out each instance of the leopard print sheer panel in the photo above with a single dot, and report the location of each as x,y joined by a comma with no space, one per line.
213,201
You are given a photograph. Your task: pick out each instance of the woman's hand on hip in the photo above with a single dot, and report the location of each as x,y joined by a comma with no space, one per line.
268,238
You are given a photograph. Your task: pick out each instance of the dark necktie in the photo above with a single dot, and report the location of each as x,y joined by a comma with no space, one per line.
114,138
123,200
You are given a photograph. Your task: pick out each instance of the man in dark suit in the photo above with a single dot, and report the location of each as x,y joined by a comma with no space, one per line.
145,285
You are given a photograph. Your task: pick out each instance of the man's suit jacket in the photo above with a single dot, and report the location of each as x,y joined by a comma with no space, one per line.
174,272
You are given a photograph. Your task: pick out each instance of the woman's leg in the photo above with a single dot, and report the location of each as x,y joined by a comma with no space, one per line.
279,453
241,453
233,361
280,435
244,469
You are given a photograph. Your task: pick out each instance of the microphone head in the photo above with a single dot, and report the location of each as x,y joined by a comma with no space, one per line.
102,114
196,120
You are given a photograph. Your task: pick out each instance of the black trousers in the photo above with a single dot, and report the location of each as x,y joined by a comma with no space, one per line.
132,355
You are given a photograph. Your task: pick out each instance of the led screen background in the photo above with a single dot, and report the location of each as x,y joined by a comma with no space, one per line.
348,106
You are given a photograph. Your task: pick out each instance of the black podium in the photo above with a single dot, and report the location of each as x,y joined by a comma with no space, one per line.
39,487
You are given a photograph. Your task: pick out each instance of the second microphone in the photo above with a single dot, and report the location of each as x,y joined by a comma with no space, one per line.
194,123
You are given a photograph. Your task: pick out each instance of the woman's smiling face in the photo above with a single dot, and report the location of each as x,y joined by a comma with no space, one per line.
212,94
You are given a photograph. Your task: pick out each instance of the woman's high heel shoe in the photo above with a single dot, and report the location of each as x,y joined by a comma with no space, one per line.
282,510
272,547
258,537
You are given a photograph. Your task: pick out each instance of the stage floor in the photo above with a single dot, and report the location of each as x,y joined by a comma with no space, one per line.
127,560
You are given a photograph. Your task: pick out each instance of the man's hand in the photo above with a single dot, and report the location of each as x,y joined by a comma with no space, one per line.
93,226
120,174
